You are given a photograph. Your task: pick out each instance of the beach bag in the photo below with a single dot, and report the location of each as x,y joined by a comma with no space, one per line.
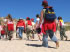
50,14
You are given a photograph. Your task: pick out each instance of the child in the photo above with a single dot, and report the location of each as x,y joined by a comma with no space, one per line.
28,28
62,29
10,26
2,32
20,27
0,29
33,28
38,29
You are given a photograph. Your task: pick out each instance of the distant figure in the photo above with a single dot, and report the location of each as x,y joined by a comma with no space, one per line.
49,25
33,27
3,32
20,27
62,28
10,26
38,29
0,29
28,28
5,24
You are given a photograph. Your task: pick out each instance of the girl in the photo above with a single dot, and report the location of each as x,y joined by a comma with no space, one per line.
38,29
62,28
10,26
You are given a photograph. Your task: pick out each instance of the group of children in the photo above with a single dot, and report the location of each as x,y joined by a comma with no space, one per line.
2,32
30,28
6,28
45,26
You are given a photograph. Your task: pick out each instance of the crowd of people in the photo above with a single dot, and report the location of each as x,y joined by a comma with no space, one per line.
44,27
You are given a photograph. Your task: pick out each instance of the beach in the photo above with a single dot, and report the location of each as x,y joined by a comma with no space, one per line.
16,45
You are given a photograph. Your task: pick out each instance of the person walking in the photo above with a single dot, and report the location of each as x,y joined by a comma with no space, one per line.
49,25
0,28
10,26
20,27
62,28
28,28
38,29
33,27
5,24
3,32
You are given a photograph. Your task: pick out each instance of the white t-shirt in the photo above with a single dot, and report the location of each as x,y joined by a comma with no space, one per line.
5,20
10,22
38,19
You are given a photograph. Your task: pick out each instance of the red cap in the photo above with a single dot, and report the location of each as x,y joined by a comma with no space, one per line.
32,19
45,2
27,17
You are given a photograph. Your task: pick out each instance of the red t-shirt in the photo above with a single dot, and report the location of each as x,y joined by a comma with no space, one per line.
29,22
10,26
21,23
2,32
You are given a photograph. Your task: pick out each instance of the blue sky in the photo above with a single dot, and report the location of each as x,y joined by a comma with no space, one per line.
24,8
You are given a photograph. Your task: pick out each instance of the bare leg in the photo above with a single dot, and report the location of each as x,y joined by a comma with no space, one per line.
39,37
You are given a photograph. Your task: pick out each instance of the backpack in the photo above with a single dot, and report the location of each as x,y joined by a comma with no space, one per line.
50,14
29,22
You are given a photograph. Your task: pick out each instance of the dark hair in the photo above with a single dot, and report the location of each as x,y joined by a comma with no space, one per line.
44,4
37,15
59,18
28,19
11,19
9,16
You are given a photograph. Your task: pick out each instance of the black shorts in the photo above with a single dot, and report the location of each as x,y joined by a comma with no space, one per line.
38,30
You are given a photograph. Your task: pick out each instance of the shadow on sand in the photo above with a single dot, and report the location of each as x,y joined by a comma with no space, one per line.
36,45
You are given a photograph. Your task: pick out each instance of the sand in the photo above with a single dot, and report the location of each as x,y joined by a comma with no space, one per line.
16,45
